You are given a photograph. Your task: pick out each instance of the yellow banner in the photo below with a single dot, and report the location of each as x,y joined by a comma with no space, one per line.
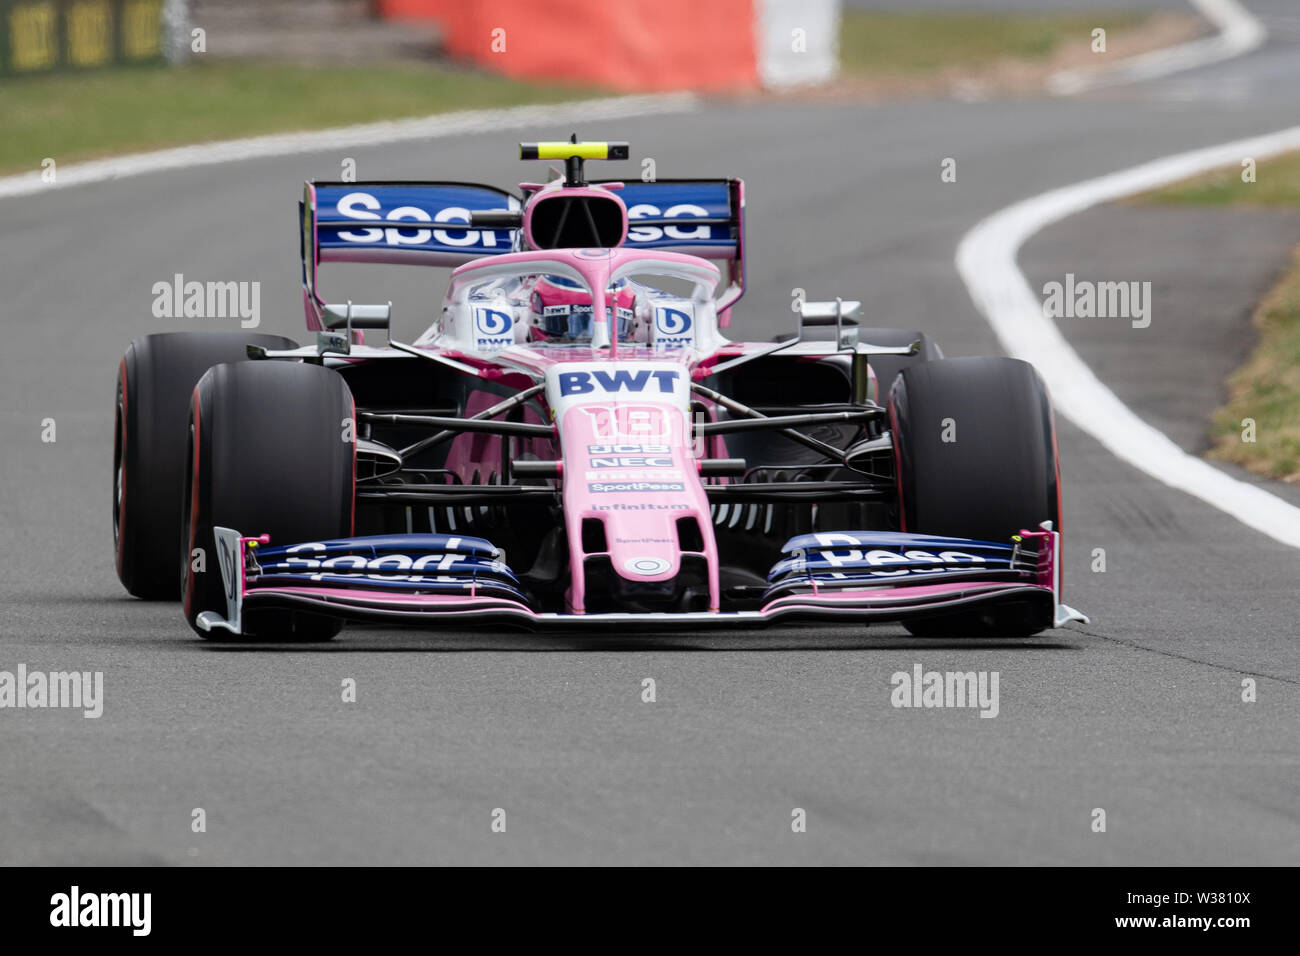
42,35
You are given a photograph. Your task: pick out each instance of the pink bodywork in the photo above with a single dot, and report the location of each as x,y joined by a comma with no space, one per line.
647,533
640,526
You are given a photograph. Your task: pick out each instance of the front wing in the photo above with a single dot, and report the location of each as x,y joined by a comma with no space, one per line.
427,580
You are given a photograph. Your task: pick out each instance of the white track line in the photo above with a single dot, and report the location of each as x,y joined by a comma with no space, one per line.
437,126
1238,32
986,259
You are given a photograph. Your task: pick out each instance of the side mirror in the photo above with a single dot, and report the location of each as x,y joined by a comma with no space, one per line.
836,321
352,316
341,320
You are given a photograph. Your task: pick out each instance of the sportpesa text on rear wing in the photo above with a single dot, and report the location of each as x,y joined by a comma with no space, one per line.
429,223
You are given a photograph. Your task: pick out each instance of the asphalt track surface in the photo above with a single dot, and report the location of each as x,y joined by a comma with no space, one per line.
1139,713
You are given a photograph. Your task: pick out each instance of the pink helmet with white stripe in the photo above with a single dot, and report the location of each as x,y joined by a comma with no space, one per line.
561,309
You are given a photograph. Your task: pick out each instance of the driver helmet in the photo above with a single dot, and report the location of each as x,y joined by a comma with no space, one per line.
561,308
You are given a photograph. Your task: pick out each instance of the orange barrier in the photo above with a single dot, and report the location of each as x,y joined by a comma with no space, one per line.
622,44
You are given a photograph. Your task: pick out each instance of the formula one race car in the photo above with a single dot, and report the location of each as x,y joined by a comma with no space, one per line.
575,442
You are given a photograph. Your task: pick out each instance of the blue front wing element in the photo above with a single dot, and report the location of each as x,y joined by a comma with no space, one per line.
377,544
842,559
439,563
455,564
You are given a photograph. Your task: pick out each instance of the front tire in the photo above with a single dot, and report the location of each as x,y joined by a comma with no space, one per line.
975,449
267,455
154,382
888,367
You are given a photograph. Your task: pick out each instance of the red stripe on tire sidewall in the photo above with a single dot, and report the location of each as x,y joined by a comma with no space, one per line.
194,510
121,505
1056,463
898,464
352,518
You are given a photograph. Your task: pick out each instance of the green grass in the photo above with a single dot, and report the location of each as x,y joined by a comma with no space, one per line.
74,116
1277,183
77,116
1267,389
912,43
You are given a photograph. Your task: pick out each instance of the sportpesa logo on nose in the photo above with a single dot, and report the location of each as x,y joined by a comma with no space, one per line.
623,380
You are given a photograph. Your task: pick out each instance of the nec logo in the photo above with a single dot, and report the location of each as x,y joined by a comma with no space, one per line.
633,461
584,383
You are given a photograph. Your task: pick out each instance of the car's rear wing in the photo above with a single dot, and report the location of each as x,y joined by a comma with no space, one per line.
697,217
440,224
417,223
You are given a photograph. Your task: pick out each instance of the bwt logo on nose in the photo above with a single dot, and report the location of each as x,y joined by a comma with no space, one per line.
623,380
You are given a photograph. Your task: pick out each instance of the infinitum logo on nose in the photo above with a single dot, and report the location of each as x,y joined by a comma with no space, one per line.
102,909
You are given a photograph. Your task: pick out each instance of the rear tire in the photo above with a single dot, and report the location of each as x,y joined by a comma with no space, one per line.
154,383
266,456
996,474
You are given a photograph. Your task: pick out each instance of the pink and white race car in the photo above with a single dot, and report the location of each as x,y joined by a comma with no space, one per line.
577,442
